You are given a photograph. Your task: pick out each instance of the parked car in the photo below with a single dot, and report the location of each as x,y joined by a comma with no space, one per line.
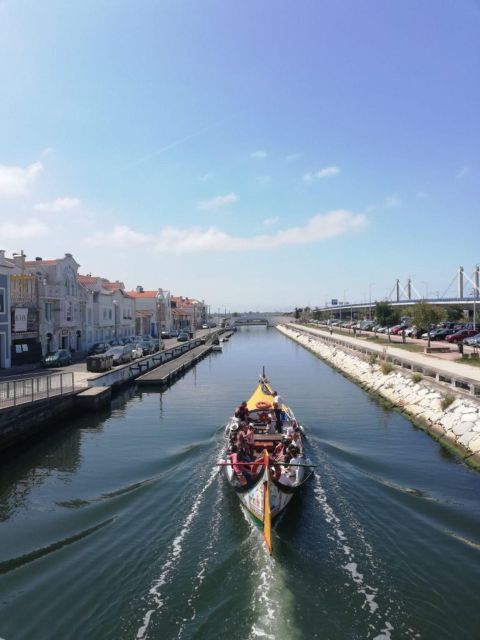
137,350
147,347
438,334
59,358
98,347
158,344
165,334
120,354
459,336
204,326
183,337
473,341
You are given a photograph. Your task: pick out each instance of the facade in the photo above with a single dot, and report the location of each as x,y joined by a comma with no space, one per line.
5,319
25,314
61,302
153,312
188,313
109,312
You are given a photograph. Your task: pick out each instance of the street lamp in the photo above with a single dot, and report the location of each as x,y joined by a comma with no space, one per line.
370,300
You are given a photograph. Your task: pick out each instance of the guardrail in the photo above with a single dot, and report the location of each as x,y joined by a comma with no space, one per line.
26,390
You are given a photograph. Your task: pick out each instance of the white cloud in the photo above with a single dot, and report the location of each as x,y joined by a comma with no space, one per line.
30,228
462,172
213,204
269,222
58,205
392,201
292,157
326,172
15,181
122,237
195,239
259,154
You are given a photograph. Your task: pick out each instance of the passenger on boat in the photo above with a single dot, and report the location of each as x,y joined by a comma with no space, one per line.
250,441
278,407
294,470
270,425
241,412
281,476
241,471
297,440
241,439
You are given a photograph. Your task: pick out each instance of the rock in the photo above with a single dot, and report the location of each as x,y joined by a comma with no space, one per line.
462,427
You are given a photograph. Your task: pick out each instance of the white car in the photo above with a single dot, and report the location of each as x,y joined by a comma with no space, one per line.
137,351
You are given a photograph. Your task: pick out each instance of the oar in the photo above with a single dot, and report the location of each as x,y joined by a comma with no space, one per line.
267,517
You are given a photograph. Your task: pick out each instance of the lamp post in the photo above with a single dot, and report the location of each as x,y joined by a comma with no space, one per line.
370,300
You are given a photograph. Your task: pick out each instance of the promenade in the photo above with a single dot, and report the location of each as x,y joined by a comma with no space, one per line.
440,363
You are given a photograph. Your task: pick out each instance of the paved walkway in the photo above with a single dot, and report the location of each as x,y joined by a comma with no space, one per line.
454,369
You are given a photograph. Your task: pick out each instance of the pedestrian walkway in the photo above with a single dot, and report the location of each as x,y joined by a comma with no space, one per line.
447,368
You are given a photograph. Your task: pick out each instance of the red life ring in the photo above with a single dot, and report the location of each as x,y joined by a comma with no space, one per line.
263,405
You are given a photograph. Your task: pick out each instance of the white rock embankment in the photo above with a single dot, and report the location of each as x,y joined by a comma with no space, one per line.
456,426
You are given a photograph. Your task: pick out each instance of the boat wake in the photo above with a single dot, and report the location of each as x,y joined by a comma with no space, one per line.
382,626
272,601
174,553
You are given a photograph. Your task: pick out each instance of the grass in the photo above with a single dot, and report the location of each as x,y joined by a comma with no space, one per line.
408,346
474,362
416,377
446,401
386,367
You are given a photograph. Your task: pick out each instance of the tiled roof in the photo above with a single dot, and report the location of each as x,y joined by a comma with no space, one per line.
86,279
46,263
142,294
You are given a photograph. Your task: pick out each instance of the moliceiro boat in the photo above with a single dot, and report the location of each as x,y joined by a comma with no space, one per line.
264,460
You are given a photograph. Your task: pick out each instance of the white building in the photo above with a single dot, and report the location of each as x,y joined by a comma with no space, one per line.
153,313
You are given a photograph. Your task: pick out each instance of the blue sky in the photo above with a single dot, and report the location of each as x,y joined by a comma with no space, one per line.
259,155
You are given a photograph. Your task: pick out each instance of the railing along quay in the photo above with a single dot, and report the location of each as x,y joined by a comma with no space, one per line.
27,390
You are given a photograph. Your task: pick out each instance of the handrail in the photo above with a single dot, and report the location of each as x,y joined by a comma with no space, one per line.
29,390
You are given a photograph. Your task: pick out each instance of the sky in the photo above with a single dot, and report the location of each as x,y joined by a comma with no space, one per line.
257,155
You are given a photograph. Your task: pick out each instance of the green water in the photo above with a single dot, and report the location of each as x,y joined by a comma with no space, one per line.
119,526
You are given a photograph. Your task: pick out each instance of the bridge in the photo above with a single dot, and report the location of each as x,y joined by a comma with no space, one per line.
257,319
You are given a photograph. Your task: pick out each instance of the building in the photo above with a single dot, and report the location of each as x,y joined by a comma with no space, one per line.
188,313
153,313
109,312
61,303
5,319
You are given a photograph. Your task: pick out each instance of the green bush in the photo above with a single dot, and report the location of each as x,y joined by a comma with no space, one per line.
447,401
386,367
416,377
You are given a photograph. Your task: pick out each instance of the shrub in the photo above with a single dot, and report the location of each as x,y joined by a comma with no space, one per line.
386,367
372,358
416,377
446,401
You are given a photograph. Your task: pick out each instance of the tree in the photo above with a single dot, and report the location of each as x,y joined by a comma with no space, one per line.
385,314
298,312
426,315
454,313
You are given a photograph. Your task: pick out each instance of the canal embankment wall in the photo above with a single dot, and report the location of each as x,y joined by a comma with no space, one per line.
443,409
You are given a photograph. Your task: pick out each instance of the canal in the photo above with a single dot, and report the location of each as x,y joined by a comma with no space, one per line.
119,526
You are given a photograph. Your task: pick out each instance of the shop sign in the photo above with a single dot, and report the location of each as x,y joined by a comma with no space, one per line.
21,319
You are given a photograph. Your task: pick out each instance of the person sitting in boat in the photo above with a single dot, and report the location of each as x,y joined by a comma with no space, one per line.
295,460
240,470
297,440
281,476
270,424
240,439
241,412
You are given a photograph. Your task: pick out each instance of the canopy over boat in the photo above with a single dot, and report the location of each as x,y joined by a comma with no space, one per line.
262,399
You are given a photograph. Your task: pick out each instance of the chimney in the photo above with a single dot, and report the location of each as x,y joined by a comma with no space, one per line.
38,259
68,255
139,289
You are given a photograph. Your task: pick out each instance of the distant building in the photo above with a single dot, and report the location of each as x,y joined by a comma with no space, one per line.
188,313
5,320
153,312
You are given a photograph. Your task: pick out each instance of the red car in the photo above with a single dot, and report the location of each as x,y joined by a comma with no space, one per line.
461,335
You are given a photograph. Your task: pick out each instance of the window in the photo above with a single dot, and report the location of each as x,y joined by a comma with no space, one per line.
68,310
109,314
2,300
48,311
